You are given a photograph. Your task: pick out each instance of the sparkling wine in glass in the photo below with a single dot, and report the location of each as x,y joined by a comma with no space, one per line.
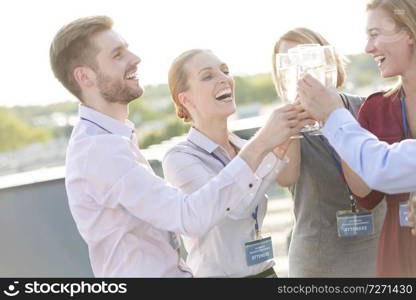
311,60
331,71
287,74
286,78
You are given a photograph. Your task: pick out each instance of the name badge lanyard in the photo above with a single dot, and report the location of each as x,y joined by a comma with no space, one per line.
339,167
406,130
254,214
259,250
406,135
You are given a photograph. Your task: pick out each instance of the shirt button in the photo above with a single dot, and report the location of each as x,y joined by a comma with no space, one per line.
250,185
269,166
228,209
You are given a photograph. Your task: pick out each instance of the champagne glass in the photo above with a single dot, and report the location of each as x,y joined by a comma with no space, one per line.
302,47
331,71
287,73
311,60
286,78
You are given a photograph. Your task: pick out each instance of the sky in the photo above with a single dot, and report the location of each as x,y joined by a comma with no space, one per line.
241,32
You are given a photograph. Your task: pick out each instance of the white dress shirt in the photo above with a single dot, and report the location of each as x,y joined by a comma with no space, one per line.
126,213
387,168
220,252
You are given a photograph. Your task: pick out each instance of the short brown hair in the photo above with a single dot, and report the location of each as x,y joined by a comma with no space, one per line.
178,80
304,35
72,47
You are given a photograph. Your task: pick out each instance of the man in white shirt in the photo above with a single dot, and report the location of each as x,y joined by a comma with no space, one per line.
124,212
387,168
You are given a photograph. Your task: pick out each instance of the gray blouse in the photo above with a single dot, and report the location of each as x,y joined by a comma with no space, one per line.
315,249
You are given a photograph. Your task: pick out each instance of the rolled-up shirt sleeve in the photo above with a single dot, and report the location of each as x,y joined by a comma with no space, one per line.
126,182
387,168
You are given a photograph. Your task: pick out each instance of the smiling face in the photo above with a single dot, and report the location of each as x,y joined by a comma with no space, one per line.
210,93
116,77
389,44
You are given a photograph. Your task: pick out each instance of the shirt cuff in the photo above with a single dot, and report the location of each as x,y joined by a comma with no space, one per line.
337,119
242,174
267,165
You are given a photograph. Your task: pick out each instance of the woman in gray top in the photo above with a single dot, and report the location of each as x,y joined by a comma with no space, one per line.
319,191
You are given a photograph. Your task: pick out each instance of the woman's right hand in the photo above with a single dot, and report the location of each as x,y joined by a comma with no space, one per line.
317,99
283,123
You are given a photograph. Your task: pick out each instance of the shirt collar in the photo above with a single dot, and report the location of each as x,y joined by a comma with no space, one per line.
106,122
201,140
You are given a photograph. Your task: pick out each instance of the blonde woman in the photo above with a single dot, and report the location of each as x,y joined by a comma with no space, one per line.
203,93
391,117
315,180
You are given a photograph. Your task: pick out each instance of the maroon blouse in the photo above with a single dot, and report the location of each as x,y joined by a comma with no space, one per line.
396,254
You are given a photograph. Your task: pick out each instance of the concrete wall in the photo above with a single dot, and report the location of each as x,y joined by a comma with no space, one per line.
38,235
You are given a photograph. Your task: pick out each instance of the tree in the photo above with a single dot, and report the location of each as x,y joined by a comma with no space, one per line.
173,128
15,134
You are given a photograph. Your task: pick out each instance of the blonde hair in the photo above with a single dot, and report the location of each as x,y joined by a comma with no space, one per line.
303,35
72,47
403,12
178,80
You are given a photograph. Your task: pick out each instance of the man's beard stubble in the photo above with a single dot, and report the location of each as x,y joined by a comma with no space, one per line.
116,91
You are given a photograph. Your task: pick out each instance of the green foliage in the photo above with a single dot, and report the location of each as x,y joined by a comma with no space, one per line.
173,128
29,113
139,111
157,91
254,89
63,131
15,134
156,106
362,71
153,105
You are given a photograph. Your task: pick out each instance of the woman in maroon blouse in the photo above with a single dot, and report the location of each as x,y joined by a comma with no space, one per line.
391,116
397,247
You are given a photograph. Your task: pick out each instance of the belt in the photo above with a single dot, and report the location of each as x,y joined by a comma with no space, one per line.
269,273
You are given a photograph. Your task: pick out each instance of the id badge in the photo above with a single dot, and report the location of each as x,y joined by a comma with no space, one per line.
258,251
403,211
354,224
